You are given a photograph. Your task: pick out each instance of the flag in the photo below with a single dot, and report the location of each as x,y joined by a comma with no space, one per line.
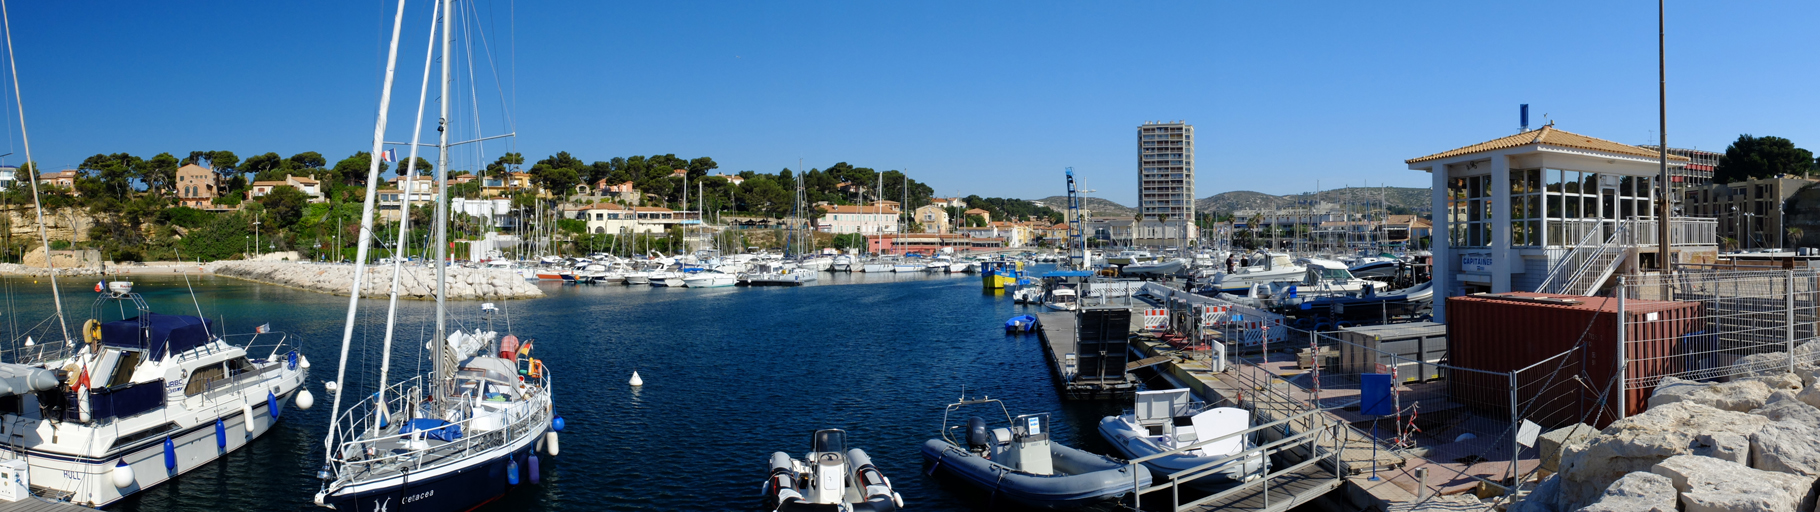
390,155
264,328
83,382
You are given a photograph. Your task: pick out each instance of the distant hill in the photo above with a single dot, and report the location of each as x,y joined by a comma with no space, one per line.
1101,208
1397,198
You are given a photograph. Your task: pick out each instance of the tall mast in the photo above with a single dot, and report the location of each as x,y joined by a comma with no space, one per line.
404,212
43,234
443,368
366,226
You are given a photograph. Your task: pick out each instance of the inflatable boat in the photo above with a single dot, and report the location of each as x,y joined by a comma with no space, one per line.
1019,463
830,478
1020,324
1168,421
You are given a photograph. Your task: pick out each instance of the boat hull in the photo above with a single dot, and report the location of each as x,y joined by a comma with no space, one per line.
459,488
1101,479
1131,445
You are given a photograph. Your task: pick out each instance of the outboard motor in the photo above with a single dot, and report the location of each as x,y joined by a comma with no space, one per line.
780,486
979,439
873,483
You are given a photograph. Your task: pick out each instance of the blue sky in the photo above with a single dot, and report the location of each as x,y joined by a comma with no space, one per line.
989,98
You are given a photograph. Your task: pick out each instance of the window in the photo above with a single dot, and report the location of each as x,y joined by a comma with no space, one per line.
202,378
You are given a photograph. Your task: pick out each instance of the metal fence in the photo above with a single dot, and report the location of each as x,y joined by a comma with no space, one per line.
1464,421
1729,323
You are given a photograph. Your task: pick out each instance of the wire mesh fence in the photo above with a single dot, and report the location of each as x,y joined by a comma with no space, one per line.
1739,323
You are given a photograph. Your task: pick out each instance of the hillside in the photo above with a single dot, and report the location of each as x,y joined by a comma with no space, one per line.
1101,208
1397,198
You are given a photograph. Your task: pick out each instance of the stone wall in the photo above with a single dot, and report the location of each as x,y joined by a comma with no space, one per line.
418,282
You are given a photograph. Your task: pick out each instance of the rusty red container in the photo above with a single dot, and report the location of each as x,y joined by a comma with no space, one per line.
1502,333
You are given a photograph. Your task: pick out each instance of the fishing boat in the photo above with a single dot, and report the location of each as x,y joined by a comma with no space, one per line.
997,275
1020,463
1168,420
466,431
710,279
831,477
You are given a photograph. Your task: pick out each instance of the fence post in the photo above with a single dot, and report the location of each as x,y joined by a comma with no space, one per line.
1516,448
1623,291
1788,295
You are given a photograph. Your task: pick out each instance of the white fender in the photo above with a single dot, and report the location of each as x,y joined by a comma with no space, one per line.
246,411
305,399
123,475
550,444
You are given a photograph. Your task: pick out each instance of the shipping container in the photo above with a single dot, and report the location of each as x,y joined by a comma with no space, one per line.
1502,333
1413,349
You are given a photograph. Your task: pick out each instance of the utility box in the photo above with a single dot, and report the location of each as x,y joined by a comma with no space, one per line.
17,478
1413,349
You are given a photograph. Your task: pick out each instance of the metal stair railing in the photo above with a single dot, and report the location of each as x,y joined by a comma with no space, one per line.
1576,258
1606,258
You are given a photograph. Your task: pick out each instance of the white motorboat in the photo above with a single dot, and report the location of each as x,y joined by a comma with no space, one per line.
1168,420
1155,268
842,263
817,263
1062,299
641,277
667,279
1276,268
908,266
939,264
879,265
1129,257
710,279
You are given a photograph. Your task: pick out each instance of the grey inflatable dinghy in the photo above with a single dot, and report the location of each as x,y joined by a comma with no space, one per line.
1020,463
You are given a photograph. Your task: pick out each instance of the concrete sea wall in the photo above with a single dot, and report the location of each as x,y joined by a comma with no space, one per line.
418,282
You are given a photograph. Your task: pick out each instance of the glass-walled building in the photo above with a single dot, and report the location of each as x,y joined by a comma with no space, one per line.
1550,210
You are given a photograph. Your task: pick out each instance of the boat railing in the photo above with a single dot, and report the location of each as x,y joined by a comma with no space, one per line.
351,463
1307,444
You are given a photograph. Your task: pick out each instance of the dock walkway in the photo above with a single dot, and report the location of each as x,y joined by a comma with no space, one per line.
37,505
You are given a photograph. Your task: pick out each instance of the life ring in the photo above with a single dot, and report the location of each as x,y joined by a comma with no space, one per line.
91,331
536,369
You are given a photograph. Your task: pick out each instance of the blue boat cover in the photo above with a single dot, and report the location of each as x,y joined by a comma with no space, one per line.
433,429
165,334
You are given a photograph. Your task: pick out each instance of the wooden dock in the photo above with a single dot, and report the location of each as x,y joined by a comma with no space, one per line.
1078,376
37,505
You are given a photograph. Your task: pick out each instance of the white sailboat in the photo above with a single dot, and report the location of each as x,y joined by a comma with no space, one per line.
463,433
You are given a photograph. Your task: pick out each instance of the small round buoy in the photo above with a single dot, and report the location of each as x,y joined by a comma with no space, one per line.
303,361
170,455
512,470
637,381
305,399
123,475
549,444
535,478
246,413
329,386
557,424
220,434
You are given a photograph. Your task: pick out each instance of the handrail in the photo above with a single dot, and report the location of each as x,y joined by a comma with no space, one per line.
1605,248
1585,241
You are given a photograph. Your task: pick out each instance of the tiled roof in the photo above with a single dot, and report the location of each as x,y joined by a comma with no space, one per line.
1548,136
848,208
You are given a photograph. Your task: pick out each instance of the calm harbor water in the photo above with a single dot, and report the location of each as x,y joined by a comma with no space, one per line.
731,375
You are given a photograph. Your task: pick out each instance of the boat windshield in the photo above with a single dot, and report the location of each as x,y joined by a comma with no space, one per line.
826,441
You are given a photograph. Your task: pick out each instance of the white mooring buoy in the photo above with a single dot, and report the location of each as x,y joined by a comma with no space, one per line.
635,380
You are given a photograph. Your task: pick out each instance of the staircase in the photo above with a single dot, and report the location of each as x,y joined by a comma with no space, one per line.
1587,266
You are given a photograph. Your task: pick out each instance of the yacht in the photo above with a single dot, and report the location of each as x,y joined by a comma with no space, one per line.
710,279
1276,267
1129,257
842,263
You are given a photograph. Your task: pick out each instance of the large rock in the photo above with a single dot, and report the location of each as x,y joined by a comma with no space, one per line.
1788,447
1639,442
1454,503
1554,442
1723,446
1740,396
1707,484
1637,492
1787,406
1542,499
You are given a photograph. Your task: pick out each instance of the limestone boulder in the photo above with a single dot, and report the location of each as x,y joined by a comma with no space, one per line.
1782,381
1787,446
1542,498
1723,446
1555,442
1788,406
1639,491
1707,484
1740,396
1640,442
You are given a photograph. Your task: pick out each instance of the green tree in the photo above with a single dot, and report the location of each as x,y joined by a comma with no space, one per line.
308,160
763,195
160,174
1761,157
224,237
284,205
266,167
353,169
423,167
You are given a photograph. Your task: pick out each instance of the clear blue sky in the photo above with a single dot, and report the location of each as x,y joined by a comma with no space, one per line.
989,98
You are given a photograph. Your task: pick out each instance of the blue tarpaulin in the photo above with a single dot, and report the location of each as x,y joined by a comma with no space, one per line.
164,334
433,429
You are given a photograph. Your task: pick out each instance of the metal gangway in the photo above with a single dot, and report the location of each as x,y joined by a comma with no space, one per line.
1309,444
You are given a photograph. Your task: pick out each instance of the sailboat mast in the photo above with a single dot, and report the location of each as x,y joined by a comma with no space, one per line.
366,226
43,234
442,200
404,213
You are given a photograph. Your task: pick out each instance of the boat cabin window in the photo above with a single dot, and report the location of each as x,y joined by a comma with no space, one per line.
203,377
13,404
238,365
1335,274
829,441
123,369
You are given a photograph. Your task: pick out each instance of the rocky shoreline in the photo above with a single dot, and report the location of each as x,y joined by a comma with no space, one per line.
418,281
